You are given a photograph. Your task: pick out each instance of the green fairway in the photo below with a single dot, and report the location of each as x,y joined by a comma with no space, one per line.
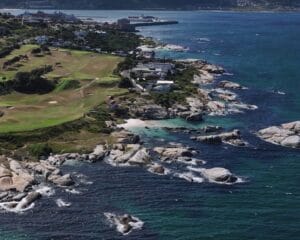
67,64
94,72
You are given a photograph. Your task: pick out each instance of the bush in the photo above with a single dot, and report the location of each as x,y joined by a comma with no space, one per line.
36,51
125,83
39,149
33,82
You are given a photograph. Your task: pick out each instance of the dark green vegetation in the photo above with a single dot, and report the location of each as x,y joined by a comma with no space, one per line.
182,89
154,4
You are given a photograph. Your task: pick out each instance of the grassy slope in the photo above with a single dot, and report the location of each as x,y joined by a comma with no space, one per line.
32,112
79,65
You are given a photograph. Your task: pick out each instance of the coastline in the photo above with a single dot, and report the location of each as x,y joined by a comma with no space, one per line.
186,169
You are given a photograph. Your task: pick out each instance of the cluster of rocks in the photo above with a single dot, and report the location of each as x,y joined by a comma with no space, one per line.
233,138
205,72
230,85
18,181
124,223
219,101
129,154
177,153
204,130
145,109
287,135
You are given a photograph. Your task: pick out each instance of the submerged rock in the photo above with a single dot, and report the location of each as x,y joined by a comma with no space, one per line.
158,169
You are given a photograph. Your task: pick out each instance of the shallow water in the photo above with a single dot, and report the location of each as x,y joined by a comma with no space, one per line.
262,51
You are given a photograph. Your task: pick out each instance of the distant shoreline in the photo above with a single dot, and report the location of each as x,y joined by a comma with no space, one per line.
163,10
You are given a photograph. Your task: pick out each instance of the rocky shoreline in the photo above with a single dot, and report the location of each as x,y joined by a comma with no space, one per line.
24,183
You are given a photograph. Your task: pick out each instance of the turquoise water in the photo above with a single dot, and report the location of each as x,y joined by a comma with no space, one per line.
262,52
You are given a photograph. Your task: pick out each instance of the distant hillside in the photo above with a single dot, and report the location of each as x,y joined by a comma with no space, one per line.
152,4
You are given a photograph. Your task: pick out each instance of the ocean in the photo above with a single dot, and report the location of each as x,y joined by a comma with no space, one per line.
260,51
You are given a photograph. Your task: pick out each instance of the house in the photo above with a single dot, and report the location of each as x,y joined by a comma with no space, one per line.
124,25
153,70
80,34
41,40
163,86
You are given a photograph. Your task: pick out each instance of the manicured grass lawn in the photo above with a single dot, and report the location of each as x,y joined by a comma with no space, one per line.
67,64
27,112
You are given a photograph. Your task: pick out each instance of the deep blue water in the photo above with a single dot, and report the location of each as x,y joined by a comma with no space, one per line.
262,50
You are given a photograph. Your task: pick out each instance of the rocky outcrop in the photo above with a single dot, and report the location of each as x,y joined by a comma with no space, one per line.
287,135
233,138
124,223
145,109
60,180
178,154
158,169
128,154
230,85
14,176
216,175
20,181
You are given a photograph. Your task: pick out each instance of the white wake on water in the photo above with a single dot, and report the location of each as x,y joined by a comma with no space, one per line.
61,203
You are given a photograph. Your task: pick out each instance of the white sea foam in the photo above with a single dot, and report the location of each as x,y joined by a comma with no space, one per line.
61,203
190,177
73,191
203,39
228,74
15,207
172,47
193,161
83,179
279,92
44,190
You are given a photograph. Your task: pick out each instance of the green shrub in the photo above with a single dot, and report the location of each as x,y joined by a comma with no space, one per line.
39,149
125,83
67,84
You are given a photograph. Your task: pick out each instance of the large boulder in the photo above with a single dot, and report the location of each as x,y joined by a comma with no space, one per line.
174,152
293,126
221,175
233,138
62,181
14,176
291,141
98,154
195,116
141,157
229,85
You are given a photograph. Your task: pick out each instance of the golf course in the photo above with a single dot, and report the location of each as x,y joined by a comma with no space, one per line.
82,80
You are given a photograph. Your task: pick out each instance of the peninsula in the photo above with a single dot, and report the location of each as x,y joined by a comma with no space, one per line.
70,89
